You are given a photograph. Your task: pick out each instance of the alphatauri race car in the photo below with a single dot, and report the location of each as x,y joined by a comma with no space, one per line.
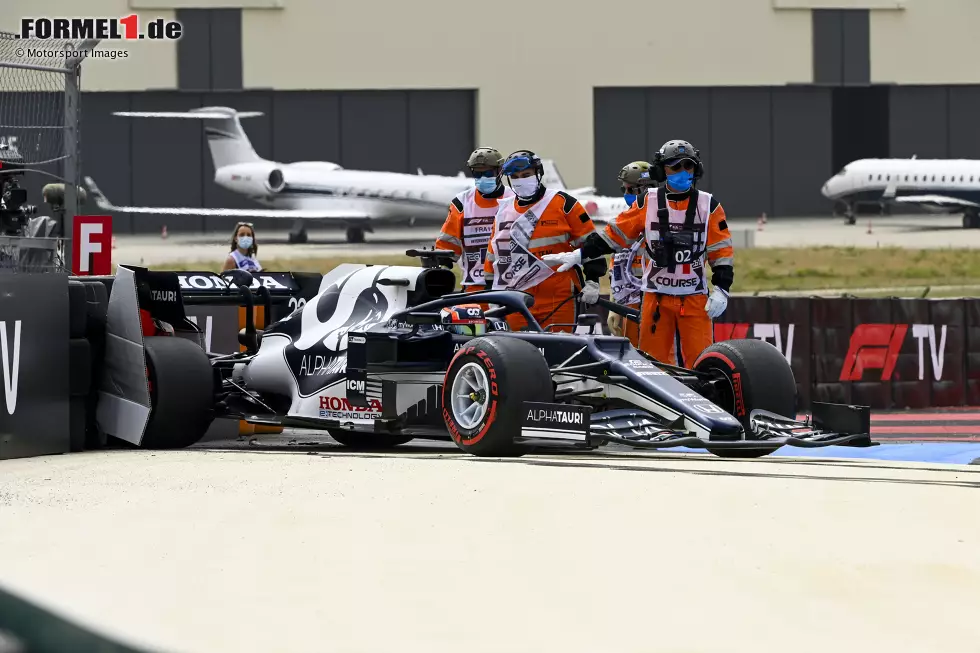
371,359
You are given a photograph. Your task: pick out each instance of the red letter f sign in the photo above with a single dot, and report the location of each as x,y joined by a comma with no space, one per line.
91,245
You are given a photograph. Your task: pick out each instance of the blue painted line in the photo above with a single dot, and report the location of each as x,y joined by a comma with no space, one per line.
953,453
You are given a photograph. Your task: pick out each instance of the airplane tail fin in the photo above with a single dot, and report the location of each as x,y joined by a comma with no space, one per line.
226,138
552,178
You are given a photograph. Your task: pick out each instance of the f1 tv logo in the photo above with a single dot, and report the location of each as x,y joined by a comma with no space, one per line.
876,347
91,245
771,333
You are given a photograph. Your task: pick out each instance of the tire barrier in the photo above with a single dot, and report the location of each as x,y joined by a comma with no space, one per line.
888,353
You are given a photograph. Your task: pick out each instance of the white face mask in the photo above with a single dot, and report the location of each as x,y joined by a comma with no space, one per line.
525,187
245,242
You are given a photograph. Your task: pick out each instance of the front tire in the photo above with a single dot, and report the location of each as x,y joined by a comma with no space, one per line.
484,391
753,375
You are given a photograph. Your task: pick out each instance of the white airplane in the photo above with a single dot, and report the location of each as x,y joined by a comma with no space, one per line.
305,190
936,185
602,208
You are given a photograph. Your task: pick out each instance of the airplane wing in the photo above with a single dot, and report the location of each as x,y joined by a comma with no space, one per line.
940,201
308,214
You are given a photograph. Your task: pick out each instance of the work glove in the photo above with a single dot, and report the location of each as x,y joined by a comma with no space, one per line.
590,293
717,303
615,323
567,260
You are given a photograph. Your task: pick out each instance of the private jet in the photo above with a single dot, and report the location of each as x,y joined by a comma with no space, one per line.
305,190
936,185
601,208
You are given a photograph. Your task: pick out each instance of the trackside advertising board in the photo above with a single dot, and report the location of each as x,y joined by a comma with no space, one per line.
885,353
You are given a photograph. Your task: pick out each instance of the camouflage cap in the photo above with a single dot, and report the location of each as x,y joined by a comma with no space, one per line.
636,173
485,156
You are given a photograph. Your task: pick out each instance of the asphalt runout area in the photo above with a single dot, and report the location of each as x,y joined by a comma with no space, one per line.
285,545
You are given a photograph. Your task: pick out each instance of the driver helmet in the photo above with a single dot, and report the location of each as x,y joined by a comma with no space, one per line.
464,320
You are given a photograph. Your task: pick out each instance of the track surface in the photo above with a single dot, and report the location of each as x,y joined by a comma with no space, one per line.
433,550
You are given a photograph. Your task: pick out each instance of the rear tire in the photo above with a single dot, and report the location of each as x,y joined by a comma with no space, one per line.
369,441
181,393
759,377
500,373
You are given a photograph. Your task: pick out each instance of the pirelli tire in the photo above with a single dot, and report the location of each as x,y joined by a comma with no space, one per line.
758,376
368,441
182,393
484,389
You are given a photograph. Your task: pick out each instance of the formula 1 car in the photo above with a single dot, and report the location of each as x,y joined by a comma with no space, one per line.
369,361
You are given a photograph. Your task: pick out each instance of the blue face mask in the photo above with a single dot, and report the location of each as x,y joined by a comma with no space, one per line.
245,242
629,199
486,185
680,181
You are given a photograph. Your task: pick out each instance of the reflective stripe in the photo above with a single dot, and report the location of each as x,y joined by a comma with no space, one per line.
578,241
721,243
452,240
616,247
490,257
618,232
550,240
727,260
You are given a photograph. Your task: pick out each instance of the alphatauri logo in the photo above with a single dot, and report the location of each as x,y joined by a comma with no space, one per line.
11,364
559,416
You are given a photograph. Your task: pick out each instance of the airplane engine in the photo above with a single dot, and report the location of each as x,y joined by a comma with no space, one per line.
276,181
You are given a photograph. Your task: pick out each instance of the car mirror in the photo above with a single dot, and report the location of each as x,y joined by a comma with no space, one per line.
423,318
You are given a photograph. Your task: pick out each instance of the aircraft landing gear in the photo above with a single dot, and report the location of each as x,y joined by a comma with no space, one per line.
298,235
355,234
971,220
847,210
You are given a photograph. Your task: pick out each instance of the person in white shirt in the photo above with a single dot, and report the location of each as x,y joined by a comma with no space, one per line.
243,250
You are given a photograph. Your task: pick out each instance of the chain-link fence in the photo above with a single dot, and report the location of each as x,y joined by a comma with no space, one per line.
39,142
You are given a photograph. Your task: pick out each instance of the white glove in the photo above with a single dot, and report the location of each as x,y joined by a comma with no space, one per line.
717,303
590,293
567,260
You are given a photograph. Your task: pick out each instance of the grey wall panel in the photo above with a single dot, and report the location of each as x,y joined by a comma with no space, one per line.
194,50
740,158
166,158
226,49
828,46
258,130
918,122
441,130
801,147
680,113
964,110
856,46
305,126
373,130
106,151
620,132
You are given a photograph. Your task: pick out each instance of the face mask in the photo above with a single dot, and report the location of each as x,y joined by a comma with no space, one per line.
245,242
525,187
629,199
486,185
680,181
